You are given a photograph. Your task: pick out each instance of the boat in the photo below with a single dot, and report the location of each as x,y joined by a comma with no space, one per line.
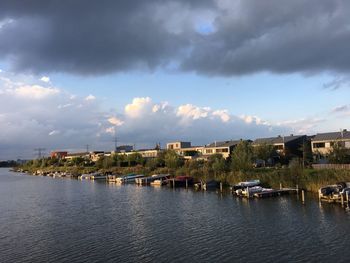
334,192
242,185
180,181
152,178
249,191
84,177
112,178
159,182
207,185
130,178
98,176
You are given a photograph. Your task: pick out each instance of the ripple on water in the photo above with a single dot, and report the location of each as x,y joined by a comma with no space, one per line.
57,220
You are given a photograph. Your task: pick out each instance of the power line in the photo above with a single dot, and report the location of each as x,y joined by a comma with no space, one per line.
40,152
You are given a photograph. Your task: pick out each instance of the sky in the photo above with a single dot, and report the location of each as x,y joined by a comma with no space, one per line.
79,72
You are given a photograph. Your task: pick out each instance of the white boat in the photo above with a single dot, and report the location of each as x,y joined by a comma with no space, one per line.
84,177
251,183
129,178
252,190
150,179
98,177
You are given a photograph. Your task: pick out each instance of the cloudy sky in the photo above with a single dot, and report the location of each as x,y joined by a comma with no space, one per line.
74,72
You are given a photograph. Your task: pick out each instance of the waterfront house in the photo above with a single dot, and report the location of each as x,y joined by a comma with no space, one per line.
322,143
224,148
125,148
58,154
71,156
145,153
177,145
286,146
185,149
96,155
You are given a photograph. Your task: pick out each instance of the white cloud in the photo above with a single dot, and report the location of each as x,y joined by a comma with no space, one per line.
90,98
303,125
35,91
115,121
189,111
45,79
223,114
138,107
27,123
54,132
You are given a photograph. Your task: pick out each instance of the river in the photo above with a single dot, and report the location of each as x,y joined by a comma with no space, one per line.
43,219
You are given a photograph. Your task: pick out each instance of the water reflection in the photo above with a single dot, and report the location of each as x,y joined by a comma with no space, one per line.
46,219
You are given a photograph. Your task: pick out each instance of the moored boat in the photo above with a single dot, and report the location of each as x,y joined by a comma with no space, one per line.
130,178
180,181
242,185
150,179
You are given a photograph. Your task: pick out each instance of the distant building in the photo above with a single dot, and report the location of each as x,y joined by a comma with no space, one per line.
125,148
71,156
178,145
224,148
96,155
286,146
322,143
149,153
58,154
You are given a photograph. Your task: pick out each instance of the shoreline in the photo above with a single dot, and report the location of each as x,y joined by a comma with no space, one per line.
309,180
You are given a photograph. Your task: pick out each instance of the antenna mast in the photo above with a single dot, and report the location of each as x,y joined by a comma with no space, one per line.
40,152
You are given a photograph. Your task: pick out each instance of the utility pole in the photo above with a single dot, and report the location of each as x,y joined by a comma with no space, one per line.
40,152
115,140
87,148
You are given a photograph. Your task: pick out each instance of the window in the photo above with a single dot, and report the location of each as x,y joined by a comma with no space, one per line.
319,145
209,151
224,150
279,147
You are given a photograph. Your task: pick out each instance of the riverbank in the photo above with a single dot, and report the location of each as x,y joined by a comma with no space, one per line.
308,179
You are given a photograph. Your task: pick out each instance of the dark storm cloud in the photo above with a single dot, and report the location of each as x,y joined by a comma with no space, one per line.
239,37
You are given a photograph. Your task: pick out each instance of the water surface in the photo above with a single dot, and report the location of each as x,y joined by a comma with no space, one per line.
62,220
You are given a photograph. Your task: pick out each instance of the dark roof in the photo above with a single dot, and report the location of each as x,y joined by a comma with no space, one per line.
332,136
277,140
223,144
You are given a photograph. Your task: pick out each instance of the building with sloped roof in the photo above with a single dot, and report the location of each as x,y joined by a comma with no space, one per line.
224,148
287,146
322,143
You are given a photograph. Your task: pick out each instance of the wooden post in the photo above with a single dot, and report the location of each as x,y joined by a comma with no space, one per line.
297,188
342,199
186,183
280,185
173,182
303,196
221,187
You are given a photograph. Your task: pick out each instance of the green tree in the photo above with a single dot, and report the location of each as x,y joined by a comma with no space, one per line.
242,156
172,159
135,159
218,166
78,161
339,154
264,152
